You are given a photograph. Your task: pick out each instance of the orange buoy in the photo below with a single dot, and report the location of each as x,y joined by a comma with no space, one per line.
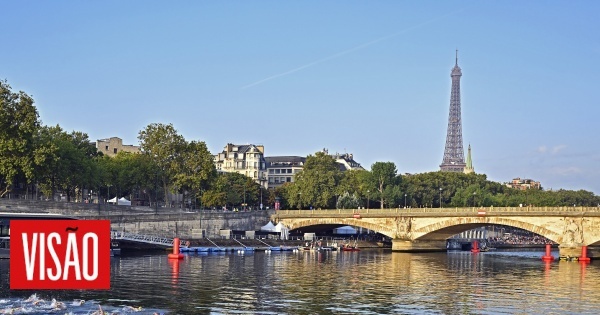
548,257
176,254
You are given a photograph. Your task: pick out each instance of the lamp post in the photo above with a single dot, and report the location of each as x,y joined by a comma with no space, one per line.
474,193
404,201
368,191
440,197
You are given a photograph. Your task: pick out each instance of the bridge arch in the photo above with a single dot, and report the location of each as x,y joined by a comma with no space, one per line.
365,224
452,226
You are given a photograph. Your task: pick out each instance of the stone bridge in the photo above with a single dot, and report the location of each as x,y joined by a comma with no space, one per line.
427,229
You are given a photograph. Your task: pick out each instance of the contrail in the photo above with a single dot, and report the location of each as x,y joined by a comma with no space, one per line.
345,52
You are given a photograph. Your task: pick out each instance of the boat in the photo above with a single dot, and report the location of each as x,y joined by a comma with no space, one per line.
115,250
349,248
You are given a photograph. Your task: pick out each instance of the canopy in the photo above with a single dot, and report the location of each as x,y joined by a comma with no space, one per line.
121,202
269,227
124,202
284,231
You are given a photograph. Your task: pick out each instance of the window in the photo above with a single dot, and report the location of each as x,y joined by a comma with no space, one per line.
288,179
276,180
270,180
277,171
289,171
115,150
270,171
106,148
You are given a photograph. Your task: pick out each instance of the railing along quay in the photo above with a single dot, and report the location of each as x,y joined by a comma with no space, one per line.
148,239
450,212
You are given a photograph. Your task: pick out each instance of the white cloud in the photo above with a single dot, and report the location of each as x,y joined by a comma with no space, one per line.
558,148
542,149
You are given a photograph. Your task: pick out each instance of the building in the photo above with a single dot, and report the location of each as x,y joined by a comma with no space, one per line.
283,169
469,166
524,184
347,162
454,155
246,159
112,146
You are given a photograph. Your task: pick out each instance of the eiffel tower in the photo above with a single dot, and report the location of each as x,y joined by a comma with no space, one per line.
454,155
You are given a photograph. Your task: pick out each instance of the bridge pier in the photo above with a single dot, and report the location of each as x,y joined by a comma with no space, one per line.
574,251
418,246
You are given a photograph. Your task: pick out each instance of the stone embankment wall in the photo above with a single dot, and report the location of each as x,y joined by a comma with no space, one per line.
166,222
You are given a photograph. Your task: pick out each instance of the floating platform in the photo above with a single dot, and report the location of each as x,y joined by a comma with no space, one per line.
214,249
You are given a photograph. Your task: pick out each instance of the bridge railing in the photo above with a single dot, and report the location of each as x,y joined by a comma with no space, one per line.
120,235
441,211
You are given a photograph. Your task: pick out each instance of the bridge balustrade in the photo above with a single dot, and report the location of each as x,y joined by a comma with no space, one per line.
442,211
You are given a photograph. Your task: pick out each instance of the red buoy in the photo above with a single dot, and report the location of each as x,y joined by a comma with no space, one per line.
584,257
176,254
475,247
548,257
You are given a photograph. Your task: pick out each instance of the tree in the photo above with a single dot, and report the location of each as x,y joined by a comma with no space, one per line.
383,180
232,189
197,169
65,161
347,201
19,122
164,146
316,184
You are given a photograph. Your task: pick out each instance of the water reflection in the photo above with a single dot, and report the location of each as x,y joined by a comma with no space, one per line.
366,282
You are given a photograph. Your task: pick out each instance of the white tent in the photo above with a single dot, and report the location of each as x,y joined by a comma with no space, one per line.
114,200
269,227
344,230
284,231
124,202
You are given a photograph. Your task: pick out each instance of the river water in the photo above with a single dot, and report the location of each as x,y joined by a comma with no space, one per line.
307,282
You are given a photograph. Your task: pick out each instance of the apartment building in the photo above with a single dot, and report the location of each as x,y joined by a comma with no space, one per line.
245,159
283,169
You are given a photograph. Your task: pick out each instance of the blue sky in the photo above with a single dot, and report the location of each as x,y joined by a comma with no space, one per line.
370,78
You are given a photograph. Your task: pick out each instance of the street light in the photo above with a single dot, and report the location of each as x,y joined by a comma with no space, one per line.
368,191
474,193
404,201
440,197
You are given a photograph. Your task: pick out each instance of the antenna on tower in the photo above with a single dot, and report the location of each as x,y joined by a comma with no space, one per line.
457,57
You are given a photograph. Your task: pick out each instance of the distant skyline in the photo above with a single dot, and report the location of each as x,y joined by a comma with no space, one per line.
368,78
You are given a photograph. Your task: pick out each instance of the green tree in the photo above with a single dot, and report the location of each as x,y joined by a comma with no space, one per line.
385,181
165,147
316,184
19,123
65,161
347,201
197,169
232,190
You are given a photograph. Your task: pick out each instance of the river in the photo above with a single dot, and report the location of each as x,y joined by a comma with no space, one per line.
307,282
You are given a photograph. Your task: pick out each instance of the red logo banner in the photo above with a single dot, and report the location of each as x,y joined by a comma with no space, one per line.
59,254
